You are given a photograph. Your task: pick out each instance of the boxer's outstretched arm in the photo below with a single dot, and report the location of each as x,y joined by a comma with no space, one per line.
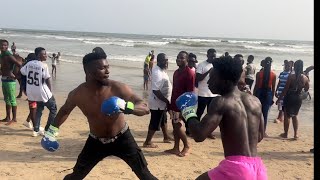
140,107
201,130
65,110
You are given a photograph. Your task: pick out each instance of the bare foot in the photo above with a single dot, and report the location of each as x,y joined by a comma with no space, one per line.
173,151
5,120
151,145
168,139
283,135
295,138
184,152
277,121
312,150
10,122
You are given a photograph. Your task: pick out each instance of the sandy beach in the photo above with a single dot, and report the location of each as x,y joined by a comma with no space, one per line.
22,156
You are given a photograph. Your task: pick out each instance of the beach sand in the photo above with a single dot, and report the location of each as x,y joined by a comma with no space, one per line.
22,156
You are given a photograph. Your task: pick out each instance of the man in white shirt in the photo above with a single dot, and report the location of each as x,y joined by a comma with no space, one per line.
159,97
202,76
38,88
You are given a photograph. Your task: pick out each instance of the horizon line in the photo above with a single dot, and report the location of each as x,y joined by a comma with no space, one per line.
8,28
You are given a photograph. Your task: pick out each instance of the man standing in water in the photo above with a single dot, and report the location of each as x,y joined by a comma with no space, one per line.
8,63
109,132
239,117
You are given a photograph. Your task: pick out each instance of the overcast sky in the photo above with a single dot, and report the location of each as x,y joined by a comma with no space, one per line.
260,19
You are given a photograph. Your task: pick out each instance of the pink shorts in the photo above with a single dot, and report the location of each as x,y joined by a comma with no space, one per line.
239,167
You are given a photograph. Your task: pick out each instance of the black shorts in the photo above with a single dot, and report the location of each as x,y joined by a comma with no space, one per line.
249,82
158,119
125,147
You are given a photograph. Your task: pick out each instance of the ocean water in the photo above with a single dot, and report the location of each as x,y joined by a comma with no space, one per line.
126,53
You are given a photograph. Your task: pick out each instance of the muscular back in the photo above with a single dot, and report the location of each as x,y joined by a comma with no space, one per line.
240,124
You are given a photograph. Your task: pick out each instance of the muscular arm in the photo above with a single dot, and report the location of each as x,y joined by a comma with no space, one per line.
65,110
140,107
201,130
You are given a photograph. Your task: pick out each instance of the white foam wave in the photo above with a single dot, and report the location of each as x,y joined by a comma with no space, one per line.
127,58
170,39
127,43
249,42
6,34
281,49
59,37
70,61
300,46
200,40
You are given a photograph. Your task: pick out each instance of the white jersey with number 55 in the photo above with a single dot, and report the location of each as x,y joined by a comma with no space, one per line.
36,73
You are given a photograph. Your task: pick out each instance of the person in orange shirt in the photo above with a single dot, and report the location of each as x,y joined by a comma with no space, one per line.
264,88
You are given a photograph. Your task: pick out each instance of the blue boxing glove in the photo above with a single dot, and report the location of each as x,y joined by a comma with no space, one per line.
115,105
187,103
49,141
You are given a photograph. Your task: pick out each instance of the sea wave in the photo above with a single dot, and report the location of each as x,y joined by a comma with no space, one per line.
248,42
60,37
280,49
128,43
70,61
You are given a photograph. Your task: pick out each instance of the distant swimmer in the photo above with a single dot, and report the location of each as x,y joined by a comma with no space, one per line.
146,77
148,58
13,48
239,118
8,63
58,57
54,64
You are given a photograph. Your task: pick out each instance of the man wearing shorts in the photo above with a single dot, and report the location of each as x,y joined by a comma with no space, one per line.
239,116
183,81
8,79
159,101
38,88
283,77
